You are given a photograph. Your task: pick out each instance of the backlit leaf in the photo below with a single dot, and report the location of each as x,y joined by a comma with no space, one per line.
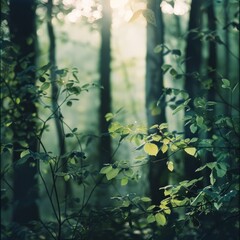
146,199
112,174
151,218
170,166
160,219
106,169
66,177
190,150
124,181
164,148
151,149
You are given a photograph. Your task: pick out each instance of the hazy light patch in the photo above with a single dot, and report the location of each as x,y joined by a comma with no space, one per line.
84,8
166,7
74,15
118,3
180,7
121,12
68,2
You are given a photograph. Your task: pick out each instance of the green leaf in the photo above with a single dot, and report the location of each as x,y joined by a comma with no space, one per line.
151,218
106,169
212,177
66,177
190,150
24,153
109,116
45,86
185,95
160,219
124,181
179,203
226,83
193,128
170,166
140,158
156,138
164,148
150,208
146,199
112,174
151,149
163,126
167,211
221,170
199,120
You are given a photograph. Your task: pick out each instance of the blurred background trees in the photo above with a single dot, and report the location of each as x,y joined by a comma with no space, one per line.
109,108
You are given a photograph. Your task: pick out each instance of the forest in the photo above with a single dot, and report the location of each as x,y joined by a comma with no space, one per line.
120,120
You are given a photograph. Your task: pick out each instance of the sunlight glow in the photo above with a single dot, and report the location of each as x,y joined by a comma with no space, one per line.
180,7
118,3
84,8
166,7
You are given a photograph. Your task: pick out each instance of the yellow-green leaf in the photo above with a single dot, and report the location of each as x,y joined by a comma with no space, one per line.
66,177
106,169
166,141
146,199
164,148
190,150
156,138
174,147
170,166
167,211
124,181
151,149
112,174
151,218
160,219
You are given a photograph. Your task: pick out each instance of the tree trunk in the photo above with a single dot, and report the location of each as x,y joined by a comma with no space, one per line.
105,94
54,96
23,35
158,176
192,81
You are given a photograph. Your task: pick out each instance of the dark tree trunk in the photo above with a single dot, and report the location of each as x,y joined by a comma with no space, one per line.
158,175
55,95
193,67
23,35
105,95
226,37
212,68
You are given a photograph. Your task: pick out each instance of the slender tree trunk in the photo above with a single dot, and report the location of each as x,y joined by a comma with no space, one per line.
158,176
24,126
227,53
105,95
55,94
212,68
193,68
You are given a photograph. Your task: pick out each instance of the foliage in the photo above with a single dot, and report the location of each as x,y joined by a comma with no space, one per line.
199,208
208,202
